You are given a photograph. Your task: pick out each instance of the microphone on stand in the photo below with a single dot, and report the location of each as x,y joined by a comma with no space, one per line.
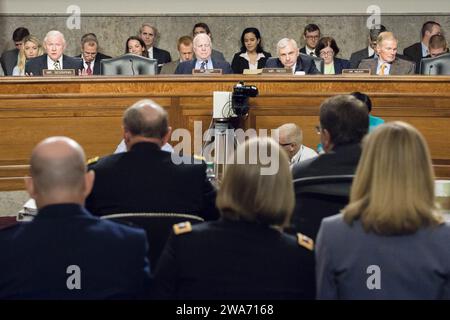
132,66
429,69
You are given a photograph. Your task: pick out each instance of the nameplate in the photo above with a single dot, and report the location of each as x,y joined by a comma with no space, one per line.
58,73
277,71
252,71
207,71
356,72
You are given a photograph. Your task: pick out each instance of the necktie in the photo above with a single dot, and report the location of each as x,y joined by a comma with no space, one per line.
89,70
311,54
56,65
203,65
383,69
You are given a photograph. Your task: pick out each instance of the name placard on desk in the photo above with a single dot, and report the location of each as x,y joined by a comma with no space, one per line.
277,71
356,72
58,73
207,71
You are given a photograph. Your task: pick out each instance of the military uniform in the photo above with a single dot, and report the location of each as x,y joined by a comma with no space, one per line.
145,179
235,260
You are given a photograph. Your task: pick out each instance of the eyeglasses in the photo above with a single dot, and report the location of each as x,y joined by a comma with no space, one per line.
326,53
286,144
318,129
312,37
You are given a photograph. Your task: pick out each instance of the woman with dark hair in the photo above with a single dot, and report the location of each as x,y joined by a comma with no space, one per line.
327,49
252,56
136,46
373,121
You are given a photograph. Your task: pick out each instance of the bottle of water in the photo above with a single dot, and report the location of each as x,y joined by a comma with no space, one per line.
211,174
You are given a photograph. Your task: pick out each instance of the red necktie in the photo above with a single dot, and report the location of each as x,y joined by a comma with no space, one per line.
89,70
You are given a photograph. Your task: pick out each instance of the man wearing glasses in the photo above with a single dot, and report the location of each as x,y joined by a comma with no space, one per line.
290,137
90,55
311,35
9,58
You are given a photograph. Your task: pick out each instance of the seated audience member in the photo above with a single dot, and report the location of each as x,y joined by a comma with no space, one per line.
185,50
368,52
202,27
146,179
311,36
136,45
65,252
289,57
343,121
54,59
90,55
387,62
419,50
373,121
203,59
149,34
244,255
437,46
390,242
10,58
31,48
252,56
327,49
290,137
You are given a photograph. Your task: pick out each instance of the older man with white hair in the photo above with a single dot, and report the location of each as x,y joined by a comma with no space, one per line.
291,139
203,59
54,59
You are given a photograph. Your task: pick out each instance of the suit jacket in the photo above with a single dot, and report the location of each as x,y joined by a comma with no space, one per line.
186,67
239,63
304,63
231,260
9,61
145,179
217,56
398,66
414,54
415,266
36,65
35,257
98,58
303,50
161,55
169,68
340,64
357,56
343,159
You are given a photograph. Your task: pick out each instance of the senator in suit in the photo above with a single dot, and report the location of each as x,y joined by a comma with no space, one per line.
54,45
387,62
186,52
203,60
146,178
327,49
90,55
244,255
202,27
65,252
289,57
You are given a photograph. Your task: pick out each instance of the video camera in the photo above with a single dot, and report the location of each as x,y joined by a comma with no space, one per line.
240,97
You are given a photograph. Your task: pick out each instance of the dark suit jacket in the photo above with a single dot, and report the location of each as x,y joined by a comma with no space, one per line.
145,179
9,61
162,56
340,64
414,54
303,50
186,67
36,65
357,56
234,260
239,64
35,257
98,58
398,66
304,63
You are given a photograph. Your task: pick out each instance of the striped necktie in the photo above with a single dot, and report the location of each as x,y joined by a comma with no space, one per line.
56,65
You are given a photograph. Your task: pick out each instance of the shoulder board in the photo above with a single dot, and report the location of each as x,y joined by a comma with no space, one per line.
305,241
182,227
93,160
198,157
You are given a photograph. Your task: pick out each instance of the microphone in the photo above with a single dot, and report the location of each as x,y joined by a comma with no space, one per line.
132,66
429,69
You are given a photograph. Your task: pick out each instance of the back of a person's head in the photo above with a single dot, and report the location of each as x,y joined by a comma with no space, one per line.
364,98
345,118
147,119
437,41
257,186
393,190
375,31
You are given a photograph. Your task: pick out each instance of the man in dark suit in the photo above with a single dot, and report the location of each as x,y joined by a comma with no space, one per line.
9,58
203,59
149,34
54,59
368,52
419,50
311,35
65,252
387,62
186,51
289,57
147,179
202,27
90,55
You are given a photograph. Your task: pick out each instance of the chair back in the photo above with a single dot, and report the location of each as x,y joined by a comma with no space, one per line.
128,65
157,226
317,198
320,63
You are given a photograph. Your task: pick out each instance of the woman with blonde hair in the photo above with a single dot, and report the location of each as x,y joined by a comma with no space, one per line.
31,48
390,242
245,254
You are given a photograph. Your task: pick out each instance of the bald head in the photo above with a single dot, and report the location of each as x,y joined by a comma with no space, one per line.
290,138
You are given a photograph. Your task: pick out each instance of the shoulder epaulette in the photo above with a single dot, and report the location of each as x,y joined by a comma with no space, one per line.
93,160
182,227
305,241
198,157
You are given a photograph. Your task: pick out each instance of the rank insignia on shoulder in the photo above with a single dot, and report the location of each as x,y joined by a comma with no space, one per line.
182,227
305,241
93,160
